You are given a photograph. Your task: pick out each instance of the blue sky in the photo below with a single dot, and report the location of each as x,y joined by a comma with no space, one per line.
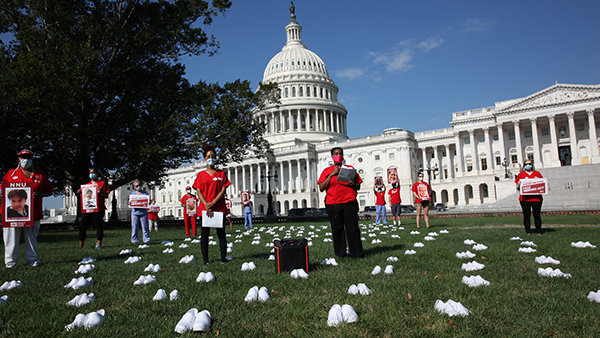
412,64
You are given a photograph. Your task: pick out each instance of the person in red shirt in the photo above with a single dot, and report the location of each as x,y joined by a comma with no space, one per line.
530,202
379,190
210,186
95,218
189,211
342,207
422,192
228,204
153,218
395,201
41,188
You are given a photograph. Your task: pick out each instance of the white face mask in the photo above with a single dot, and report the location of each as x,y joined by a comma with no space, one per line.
26,163
211,161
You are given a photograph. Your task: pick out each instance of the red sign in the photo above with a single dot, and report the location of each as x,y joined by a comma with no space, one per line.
18,205
535,186
153,208
139,201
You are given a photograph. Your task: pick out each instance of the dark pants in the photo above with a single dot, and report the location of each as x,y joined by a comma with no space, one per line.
95,218
537,218
344,225
205,232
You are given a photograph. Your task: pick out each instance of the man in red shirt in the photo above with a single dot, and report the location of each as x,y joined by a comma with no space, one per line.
41,188
189,203
379,190
342,207
395,201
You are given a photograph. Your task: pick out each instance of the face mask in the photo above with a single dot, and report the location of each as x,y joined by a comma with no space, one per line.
93,176
26,163
211,161
528,167
139,188
420,178
188,191
338,159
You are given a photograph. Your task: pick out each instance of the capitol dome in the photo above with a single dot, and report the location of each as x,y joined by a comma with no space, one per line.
309,110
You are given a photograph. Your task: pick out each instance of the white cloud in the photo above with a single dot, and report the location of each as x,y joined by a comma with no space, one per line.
350,73
430,43
399,58
476,25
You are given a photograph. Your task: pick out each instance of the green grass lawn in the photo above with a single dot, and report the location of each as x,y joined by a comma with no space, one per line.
518,303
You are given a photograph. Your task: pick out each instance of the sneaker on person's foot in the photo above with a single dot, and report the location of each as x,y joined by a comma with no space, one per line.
36,264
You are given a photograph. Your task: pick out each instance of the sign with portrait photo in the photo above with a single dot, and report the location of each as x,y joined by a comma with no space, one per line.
392,175
245,196
139,201
379,187
423,192
190,207
89,199
18,205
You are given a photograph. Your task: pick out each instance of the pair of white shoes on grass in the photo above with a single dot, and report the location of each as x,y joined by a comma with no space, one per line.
376,241
11,285
192,320
392,259
361,289
87,268
133,259
341,314
143,246
410,252
469,242
205,277
162,295
546,260
167,243
415,233
168,250
528,243
298,273
272,257
472,266
582,245
78,283
255,294
466,254
396,236
475,281
549,272
87,260
592,296
248,266
145,280
183,246
187,259
326,240
329,261
153,268
126,252
90,320
81,300
388,270
451,308
479,247
527,250
429,238
418,245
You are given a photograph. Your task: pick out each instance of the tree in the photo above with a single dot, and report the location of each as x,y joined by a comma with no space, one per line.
98,83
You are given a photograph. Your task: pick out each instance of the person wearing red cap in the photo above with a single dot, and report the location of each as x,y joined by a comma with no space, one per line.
189,203
41,188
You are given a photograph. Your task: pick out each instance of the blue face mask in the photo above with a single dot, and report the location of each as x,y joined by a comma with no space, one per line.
139,188
528,167
93,176
211,161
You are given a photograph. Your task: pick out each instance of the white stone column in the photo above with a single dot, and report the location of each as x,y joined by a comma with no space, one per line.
439,165
244,178
595,157
308,178
490,152
518,142
280,177
554,142
459,157
252,178
424,157
573,136
330,129
290,178
339,123
536,143
501,141
474,157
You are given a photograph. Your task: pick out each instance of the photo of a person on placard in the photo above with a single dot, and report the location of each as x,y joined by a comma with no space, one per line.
18,207
89,200
392,176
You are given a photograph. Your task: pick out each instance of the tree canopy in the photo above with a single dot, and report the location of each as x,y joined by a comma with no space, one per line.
99,83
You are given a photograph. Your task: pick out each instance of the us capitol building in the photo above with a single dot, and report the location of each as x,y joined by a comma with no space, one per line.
467,161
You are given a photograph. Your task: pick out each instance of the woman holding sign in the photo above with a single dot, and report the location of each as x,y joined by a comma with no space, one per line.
139,212
210,186
189,203
530,203
36,183
422,190
92,207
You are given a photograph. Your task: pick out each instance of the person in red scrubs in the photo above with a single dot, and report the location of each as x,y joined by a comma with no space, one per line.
210,186
530,203
41,188
342,207
95,218
189,211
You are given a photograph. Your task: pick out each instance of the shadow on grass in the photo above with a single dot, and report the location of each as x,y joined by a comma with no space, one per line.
380,249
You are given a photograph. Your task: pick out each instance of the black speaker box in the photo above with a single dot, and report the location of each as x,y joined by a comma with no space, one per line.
291,254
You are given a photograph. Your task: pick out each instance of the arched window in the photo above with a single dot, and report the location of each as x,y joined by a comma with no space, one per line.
321,92
293,91
286,92
300,93
308,91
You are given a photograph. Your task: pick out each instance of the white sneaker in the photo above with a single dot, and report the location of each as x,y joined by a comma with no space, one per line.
252,294
376,271
263,294
348,314
186,323
245,267
160,295
93,319
201,277
353,290
363,289
174,295
202,321
302,273
389,270
79,320
335,317
209,277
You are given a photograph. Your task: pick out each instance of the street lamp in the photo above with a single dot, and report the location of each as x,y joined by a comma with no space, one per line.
505,165
269,196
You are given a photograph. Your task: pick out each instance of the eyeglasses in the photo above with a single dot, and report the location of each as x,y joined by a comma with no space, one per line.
420,176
